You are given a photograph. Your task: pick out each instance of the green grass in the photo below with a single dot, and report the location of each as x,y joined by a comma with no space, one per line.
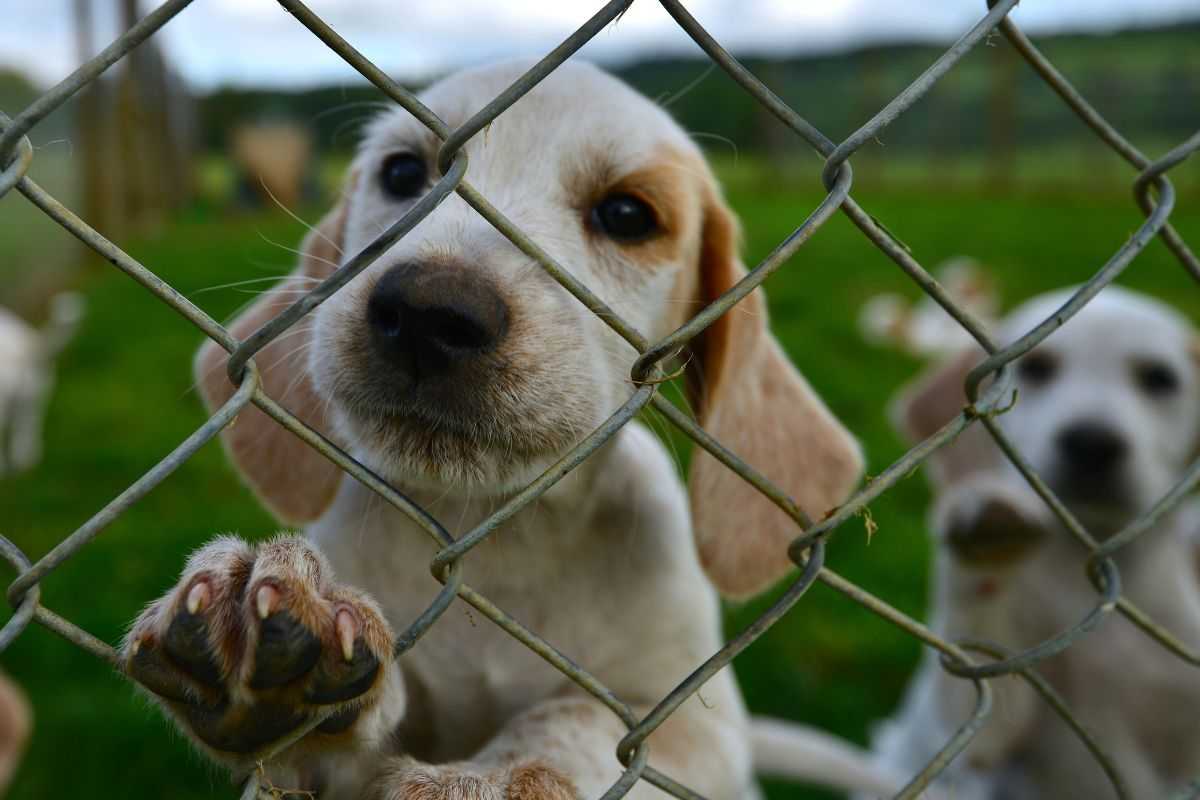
124,400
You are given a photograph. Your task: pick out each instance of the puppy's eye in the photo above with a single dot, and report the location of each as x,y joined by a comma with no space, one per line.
1037,368
624,218
1156,378
403,175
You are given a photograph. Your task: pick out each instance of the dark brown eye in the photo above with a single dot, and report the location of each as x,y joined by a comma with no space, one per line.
403,175
624,218
1156,378
1037,368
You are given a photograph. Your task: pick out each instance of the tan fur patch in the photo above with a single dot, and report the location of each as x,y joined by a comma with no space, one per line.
539,782
666,186
292,479
748,395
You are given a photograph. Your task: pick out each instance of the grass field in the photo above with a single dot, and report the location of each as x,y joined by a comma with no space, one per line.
124,400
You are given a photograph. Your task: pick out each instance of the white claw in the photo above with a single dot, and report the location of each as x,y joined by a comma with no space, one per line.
265,600
344,624
133,649
198,597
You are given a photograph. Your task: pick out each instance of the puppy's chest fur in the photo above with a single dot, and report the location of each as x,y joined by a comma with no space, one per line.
589,572
1144,709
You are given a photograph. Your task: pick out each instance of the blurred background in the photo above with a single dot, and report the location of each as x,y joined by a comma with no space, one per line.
193,152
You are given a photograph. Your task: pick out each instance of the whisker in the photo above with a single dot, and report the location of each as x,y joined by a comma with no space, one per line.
716,137
674,98
300,253
376,104
287,334
233,284
296,217
273,292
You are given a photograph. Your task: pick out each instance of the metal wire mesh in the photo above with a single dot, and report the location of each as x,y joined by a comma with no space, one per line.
1153,192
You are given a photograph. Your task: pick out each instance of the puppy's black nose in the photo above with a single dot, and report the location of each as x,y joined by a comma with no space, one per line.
425,321
1091,448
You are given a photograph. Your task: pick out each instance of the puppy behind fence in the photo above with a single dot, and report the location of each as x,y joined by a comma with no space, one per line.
1155,195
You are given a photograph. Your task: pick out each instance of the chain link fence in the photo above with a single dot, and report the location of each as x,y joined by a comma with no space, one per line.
971,661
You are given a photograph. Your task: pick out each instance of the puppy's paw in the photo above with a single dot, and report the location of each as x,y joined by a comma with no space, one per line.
991,525
405,779
254,641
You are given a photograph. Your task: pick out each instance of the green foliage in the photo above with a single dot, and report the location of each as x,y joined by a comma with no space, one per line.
125,400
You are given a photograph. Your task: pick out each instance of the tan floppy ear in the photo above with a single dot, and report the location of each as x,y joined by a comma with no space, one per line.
292,480
746,393
922,407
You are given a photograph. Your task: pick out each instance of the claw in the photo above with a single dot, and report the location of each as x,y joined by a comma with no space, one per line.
265,600
344,624
133,648
198,597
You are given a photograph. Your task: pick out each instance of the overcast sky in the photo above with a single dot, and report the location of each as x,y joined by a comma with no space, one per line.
254,42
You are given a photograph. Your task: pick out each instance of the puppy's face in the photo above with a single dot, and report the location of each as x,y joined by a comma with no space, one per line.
455,363
1107,409
455,359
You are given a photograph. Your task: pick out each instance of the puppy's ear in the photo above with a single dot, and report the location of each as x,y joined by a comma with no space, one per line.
746,393
921,408
290,478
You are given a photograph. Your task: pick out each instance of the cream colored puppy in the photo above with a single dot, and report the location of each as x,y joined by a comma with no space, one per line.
1107,414
458,370
27,376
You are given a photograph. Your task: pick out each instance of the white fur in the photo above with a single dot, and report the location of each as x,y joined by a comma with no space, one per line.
1139,700
924,328
26,377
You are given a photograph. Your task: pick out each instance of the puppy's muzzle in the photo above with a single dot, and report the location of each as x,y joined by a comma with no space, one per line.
427,321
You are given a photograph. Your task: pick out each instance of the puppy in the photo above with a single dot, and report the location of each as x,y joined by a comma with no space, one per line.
26,377
458,370
1107,415
924,328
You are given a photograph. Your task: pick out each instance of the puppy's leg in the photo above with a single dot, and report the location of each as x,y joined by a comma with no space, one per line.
252,643
5,430
27,412
565,749
992,531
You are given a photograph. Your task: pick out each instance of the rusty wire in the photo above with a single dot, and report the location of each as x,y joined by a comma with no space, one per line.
1153,193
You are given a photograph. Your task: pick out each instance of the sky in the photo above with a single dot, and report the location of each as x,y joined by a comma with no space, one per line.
256,43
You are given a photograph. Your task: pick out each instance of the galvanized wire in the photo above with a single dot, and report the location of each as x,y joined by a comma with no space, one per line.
988,386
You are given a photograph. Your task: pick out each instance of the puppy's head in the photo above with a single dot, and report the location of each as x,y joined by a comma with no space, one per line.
1106,409
456,362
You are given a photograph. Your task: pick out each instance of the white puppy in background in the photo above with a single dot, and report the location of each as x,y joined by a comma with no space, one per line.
1109,415
923,328
26,376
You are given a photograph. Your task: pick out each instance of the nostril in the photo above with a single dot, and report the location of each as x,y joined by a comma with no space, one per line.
386,321
454,330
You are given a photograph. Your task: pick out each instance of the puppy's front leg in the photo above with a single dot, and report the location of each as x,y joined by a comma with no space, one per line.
992,531
25,436
256,641
565,749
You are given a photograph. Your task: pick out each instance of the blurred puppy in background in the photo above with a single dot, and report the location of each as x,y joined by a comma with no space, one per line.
1108,413
26,376
923,328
